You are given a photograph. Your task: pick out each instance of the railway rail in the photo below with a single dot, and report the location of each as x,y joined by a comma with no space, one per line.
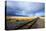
26,25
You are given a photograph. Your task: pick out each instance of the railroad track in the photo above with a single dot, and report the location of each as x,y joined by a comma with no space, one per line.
26,26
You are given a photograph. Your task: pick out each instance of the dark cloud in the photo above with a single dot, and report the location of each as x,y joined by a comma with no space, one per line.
24,8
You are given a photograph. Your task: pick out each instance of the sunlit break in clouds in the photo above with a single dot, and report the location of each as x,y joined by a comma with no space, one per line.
23,8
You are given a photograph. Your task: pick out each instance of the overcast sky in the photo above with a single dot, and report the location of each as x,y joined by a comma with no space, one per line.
25,8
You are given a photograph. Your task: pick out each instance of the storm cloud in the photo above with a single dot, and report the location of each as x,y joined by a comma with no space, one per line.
16,8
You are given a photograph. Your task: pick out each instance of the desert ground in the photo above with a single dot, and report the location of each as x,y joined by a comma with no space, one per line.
38,24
